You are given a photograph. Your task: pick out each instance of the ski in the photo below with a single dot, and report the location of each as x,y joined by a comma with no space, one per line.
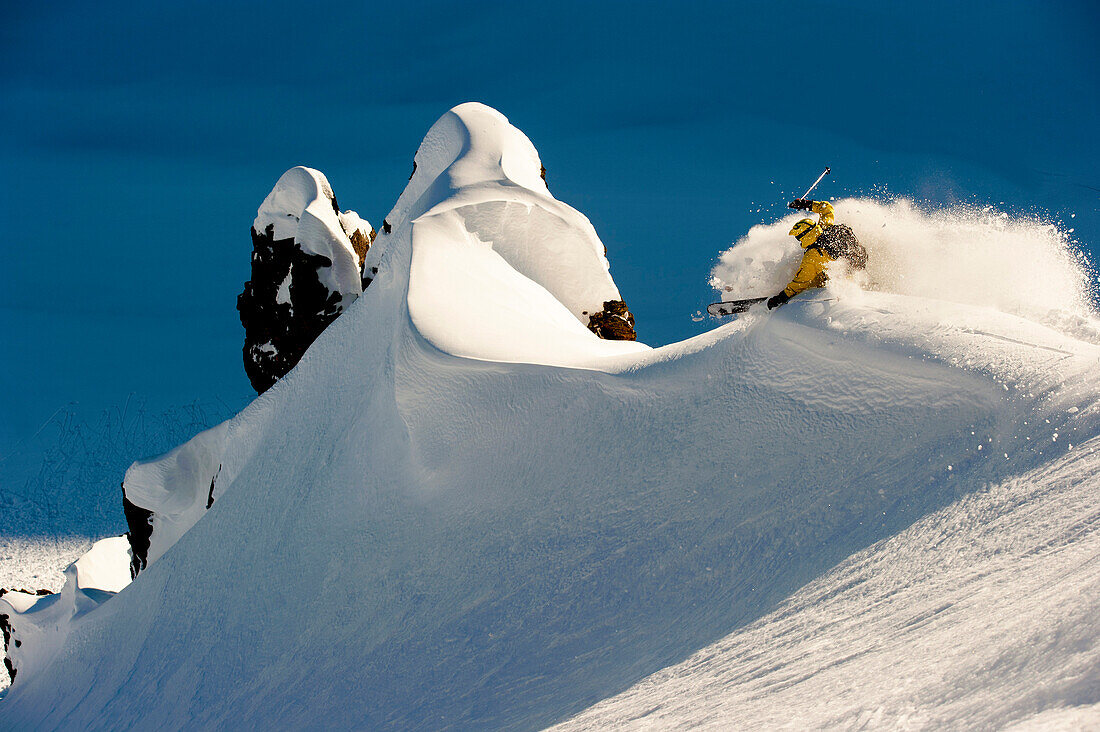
732,307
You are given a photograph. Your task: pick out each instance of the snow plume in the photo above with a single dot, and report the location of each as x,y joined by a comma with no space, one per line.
975,256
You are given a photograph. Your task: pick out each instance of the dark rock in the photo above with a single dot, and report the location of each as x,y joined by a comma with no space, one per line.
210,496
280,326
139,521
7,639
613,323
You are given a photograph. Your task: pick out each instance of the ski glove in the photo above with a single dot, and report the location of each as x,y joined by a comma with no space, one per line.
776,301
801,203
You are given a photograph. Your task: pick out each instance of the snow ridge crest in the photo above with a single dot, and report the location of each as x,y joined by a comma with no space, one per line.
499,268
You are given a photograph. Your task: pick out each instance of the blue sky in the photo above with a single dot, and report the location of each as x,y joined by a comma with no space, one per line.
136,142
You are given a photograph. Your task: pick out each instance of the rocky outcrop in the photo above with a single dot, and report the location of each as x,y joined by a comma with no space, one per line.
613,323
307,257
139,522
361,242
276,332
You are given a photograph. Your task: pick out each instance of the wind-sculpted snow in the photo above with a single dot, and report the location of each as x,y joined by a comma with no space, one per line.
982,614
172,492
477,187
465,279
410,532
36,625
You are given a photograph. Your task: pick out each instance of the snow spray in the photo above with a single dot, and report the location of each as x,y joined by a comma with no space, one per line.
965,254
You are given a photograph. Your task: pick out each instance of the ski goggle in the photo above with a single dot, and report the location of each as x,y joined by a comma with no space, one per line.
799,229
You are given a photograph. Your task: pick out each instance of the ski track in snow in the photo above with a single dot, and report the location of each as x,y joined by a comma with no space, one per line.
981,614
876,510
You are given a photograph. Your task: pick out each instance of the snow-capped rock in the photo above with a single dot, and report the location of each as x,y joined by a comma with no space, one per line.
306,262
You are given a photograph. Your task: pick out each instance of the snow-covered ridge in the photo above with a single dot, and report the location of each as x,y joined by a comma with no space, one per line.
463,297
468,525
478,213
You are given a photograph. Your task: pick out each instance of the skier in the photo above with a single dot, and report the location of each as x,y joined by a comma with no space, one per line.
823,242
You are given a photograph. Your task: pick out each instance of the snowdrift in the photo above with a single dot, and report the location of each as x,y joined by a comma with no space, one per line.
40,624
501,270
439,521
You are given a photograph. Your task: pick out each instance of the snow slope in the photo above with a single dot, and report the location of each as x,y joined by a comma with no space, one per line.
41,624
863,507
981,615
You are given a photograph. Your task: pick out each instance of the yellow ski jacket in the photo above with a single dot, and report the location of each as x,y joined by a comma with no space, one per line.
812,272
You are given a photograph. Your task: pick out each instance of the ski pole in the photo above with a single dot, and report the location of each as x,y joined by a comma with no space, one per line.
811,188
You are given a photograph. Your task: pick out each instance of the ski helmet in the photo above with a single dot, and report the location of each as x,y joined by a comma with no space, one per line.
801,227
